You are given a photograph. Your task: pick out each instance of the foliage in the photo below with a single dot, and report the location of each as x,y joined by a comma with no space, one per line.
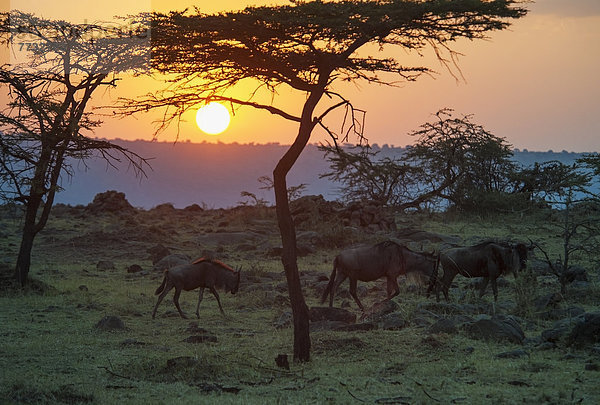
459,159
43,126
453,159
387,181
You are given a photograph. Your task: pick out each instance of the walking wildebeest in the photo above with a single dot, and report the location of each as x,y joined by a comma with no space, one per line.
368,263
203,273
488,260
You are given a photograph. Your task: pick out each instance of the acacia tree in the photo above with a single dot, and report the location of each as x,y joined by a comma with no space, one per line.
42,127
453,159
307,46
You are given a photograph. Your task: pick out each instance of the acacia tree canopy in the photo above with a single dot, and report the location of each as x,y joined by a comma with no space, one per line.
45,123
306,46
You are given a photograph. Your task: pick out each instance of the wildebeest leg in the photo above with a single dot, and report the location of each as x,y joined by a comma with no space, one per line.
484,284
200,295
495,288
353,283
447,280
392,287
160,298
338,281
216,294
176,301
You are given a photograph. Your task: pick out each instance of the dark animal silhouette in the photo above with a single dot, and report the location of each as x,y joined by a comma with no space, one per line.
368,263
422,263
202,273
488,260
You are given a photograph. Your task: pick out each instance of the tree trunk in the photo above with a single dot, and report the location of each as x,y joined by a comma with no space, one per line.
29,232
288,232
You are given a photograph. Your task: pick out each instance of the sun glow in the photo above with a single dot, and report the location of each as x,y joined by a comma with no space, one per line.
213,118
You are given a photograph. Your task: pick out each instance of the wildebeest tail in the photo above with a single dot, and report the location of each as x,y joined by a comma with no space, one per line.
331,281
162,286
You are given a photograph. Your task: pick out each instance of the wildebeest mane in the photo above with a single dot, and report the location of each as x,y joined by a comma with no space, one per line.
215,261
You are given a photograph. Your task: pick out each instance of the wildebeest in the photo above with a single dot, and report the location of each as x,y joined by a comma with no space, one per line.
202,273
488,260
368,263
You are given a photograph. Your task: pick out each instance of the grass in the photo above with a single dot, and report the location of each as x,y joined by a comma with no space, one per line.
52,353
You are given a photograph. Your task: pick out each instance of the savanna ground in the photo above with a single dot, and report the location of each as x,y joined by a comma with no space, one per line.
52,351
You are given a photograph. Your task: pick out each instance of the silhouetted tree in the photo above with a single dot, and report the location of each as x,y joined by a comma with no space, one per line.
575,215
42,127
453,159
307,46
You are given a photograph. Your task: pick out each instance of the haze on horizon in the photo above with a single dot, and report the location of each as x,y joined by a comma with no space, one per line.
535,84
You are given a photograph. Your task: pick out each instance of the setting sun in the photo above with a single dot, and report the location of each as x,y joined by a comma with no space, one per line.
213,118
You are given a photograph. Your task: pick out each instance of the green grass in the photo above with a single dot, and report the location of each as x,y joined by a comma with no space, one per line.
51,352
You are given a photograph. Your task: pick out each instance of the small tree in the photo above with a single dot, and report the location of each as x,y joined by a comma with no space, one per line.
575,215
461,161
387,181
453,159
42,128
307,47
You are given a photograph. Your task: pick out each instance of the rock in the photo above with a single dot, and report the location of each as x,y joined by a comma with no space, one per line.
392,321
444,325
497,328
378,310
574,273
586,331
513,354
193,208
547,301
110,323
134,268
104,265
110,201
201,338
171,261
560,313
284,320
363,326
282,361
317,314
560,330
157,252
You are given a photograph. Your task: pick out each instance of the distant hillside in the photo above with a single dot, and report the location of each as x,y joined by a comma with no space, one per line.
214,174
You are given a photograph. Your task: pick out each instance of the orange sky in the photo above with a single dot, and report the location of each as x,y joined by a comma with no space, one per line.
536,84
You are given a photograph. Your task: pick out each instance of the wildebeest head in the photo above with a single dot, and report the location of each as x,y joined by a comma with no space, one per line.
522,253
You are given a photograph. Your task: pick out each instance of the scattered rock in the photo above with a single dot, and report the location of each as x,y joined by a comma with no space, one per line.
200,338
444,325
513,354
134,268
110,201
497,328
378,310
317,314
282,361
586,331
392,321
110,323
104,265
548,301
284,320
171,261
132,342
158,252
